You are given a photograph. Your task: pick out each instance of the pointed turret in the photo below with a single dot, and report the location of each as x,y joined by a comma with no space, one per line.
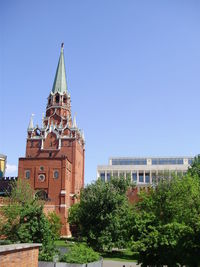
60,83
83,136
31,126
74,125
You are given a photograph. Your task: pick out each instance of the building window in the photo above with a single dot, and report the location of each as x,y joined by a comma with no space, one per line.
27,174
147,177
134,177
167,161
41,177
50,154
57,99
141,177
108,176
190,161
129,161
102,176
41,168
56,174
42,195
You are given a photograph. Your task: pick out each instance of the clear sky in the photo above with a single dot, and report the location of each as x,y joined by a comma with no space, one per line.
133,71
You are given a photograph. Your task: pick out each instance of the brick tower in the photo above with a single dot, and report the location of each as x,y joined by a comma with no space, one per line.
54,161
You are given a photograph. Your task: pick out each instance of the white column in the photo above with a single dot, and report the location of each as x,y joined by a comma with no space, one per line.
150,173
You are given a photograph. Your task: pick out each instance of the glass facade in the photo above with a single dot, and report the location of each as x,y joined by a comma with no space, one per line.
165,161
129,161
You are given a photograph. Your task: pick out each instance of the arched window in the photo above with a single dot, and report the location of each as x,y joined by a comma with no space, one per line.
57,98
27,174
41,195
65,100
38,132
55,174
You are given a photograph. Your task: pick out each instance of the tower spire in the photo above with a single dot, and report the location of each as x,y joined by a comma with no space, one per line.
60,83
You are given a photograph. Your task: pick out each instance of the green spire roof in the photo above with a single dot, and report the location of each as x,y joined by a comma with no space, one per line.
60,83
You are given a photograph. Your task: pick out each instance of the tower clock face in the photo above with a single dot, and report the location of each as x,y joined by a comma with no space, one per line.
41,177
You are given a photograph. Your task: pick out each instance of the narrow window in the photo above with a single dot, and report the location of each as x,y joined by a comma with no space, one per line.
134,177
56,174
57,99
27,174
141,177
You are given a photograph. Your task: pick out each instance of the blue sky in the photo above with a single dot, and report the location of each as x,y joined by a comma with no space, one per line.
133,71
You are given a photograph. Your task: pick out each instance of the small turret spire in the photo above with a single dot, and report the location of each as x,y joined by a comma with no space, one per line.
60,83
74,125
31,126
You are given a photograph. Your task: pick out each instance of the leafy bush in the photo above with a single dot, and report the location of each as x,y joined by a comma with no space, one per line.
56,224
80,253
23,220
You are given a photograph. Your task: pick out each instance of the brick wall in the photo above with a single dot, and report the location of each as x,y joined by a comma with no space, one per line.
19,255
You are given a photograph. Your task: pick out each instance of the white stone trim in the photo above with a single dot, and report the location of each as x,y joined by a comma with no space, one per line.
63,205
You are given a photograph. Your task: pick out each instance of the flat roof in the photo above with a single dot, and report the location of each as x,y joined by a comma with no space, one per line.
3,156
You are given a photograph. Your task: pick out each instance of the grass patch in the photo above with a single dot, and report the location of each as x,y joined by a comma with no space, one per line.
61,243
66,242
122,255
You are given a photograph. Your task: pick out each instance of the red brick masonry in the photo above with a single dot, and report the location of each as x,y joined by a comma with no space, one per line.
19,255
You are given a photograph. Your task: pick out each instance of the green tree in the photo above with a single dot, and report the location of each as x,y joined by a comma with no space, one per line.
103,215
166,223
194,169
24,220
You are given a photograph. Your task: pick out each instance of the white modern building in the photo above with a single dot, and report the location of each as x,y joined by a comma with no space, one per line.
145,170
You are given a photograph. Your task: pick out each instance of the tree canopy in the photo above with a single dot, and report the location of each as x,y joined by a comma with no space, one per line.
166,223
103,216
